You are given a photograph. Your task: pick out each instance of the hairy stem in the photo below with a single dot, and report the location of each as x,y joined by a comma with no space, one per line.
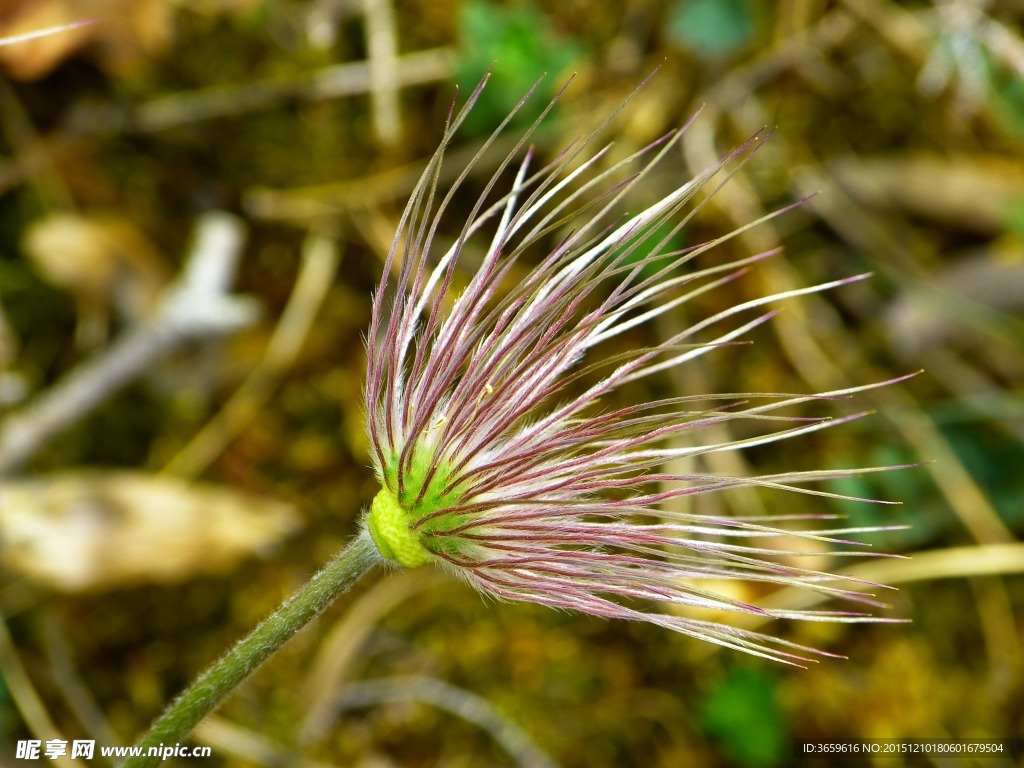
212,686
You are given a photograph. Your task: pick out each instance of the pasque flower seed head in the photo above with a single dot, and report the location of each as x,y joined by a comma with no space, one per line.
497,459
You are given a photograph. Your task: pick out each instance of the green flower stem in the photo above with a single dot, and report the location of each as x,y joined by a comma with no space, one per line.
213,685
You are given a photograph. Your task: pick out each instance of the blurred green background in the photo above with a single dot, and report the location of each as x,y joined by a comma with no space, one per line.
310,122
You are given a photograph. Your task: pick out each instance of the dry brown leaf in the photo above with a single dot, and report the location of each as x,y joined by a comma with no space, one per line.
123,32
104,261
87,530
972,191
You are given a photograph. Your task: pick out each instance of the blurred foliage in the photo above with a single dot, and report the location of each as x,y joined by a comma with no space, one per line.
518,47
746,702
905,119
662,240
1009,101
711,28
986,453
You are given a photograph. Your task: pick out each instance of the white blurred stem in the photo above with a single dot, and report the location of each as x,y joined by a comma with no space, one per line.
319,264
459,702
196,307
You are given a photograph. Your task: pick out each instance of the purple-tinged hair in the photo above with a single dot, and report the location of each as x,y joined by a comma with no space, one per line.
494,458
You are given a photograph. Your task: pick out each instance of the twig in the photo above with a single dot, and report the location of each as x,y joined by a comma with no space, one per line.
33,156
38,33
78,697
427,66
987,560
459,702
24,694
340,647
951,563
195,307
382,52
249,746
319,265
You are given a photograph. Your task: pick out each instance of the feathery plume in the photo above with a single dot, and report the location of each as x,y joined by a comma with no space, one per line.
494,458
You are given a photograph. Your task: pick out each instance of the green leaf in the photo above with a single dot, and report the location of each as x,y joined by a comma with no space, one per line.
742,711
711,28
1013,217
521,46
675,242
